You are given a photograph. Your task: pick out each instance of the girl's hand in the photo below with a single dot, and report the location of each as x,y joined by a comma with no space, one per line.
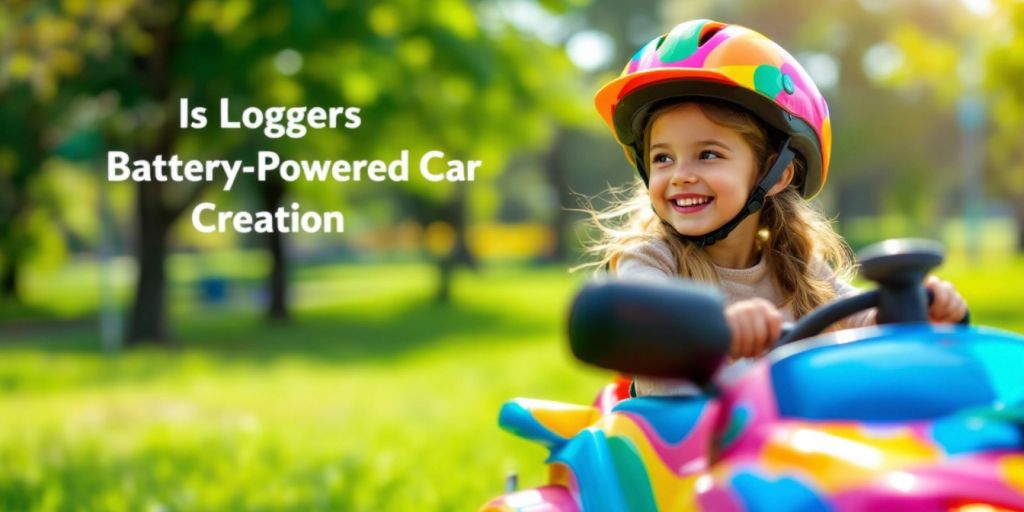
948,306
755,325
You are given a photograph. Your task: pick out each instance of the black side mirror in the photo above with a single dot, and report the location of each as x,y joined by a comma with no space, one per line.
675,329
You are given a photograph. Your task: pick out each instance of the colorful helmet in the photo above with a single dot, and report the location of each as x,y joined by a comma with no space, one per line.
708,59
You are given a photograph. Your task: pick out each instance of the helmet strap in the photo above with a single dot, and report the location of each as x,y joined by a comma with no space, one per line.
754,203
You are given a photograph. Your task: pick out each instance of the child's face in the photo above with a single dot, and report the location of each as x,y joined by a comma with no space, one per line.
701,173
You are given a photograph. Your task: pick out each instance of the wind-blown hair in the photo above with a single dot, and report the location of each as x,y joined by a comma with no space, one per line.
796,239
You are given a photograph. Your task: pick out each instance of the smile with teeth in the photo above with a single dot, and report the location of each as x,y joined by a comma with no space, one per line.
691,201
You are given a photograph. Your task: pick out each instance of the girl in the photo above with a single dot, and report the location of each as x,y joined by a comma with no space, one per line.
730,137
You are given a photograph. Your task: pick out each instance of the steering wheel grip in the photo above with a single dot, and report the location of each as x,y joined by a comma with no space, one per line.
819,319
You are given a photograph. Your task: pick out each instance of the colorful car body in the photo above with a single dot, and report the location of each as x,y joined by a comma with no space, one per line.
899,417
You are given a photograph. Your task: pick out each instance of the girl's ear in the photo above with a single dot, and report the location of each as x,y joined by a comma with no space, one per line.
784,181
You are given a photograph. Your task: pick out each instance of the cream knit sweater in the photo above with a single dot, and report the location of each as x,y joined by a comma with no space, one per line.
654,260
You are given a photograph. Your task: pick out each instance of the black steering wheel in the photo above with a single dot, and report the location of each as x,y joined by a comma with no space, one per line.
636,327
899,268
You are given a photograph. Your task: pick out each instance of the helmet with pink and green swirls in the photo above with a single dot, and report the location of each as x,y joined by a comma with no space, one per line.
718,61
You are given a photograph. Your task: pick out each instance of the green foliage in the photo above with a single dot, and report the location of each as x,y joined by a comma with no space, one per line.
1004,65
79,78
963,53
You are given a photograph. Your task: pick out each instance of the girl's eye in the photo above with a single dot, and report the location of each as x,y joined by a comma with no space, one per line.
661,158
709,155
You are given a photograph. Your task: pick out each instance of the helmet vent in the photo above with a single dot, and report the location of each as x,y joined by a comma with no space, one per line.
708,31
661,41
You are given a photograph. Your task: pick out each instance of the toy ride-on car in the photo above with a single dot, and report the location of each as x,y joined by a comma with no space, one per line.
902,416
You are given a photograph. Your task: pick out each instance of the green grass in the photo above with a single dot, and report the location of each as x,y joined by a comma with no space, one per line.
372,399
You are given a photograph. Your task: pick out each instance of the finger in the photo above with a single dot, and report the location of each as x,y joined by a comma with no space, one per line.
747,343
730,320
742,335
758,332
736,328
775,325
944,310
774,331
952,300
737,335
940,301
956,314
872,316
960,309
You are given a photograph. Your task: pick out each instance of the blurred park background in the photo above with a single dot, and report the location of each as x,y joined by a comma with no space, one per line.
145,366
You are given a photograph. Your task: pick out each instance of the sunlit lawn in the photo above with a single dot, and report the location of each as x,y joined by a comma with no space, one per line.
372,399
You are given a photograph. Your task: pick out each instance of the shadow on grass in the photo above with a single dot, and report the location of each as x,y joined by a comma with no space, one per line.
355,336
366,332
16,317
211,343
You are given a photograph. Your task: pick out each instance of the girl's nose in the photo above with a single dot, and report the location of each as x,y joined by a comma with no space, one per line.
682,176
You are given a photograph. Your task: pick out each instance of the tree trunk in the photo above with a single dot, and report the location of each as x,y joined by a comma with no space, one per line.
556,168
14,236
12,251
445,267
277,309
9,280
148,320
454,213
457,218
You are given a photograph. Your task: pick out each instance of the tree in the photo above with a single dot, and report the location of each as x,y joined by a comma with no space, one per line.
957,53
426,76
44,54
1004,74
23,155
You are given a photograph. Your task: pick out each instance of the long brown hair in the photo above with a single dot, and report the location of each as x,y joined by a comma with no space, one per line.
794,237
